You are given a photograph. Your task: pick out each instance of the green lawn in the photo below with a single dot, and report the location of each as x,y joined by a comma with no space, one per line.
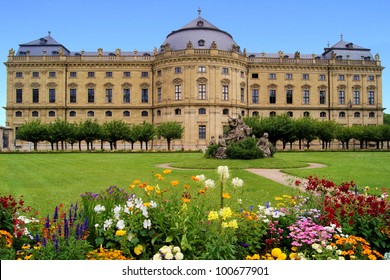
46,180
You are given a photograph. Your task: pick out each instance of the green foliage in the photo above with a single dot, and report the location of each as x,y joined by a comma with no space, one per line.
114,131
211,149
245,149
170,131
33,132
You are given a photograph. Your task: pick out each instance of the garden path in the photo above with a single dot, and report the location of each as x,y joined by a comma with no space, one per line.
276,175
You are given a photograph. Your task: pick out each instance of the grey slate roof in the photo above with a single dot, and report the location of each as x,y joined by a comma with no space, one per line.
344,50
38,47
196,30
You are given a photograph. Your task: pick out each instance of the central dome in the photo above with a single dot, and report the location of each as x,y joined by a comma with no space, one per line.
202,35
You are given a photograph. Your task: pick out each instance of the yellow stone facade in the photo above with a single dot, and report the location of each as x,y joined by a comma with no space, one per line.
195,86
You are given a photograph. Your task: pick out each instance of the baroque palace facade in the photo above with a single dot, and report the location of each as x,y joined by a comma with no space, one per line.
198,77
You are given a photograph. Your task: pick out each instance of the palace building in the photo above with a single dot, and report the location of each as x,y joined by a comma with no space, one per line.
197,77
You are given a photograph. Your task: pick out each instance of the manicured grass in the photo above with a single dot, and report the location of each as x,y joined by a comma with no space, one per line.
46,180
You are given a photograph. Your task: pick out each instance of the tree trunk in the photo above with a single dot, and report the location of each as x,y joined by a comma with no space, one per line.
169,144
35,146
80,146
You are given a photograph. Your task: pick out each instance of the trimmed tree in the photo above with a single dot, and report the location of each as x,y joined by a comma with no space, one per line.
170,131
33,132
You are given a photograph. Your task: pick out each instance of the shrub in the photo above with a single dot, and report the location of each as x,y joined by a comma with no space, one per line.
245,149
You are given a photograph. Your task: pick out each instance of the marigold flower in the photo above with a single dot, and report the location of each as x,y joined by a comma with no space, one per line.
175,183
185,200
132,186
201,191
194,178
187,186
167,171
136,182
120,232
149,188
276,252
226,195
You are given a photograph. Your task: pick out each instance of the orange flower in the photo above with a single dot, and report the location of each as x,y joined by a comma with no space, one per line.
142,185
175,183
167,171
187,186
226,195
201,191
194,178
149,188
136,182
185,200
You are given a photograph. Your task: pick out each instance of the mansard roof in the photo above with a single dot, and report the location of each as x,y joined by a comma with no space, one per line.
42,45
344,50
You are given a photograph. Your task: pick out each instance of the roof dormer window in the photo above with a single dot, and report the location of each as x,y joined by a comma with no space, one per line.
55,53
199,23
201,43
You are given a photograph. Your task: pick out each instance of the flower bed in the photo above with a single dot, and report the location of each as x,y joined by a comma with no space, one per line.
171,220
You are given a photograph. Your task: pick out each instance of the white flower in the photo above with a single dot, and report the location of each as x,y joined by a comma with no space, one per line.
153,204
209,183
107,224
117,210
120,224
239,201
130,237
224,172
144,210
169,256
96,225
176,249
165,249
179,256
99,208
157,257
237,182
147,223
201,177
329,247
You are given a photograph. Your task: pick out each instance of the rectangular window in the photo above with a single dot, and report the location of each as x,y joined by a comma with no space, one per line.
73,95
177,69
177,92
52,95
255,75
341,78
145,95
19,95
272,96
341,97
356,97
242,74
371,97
225,92
255,95
108,95
322,77
356,77
52,74
305,76
19,74
289,76
91,95
126,74
73,74
159,73
202,132
289,96
35,74
242,94
126,95
159,94
144,74
91,74
202,69
371,78
35,95
225,70
322,97
202,91
272,76
108,74
306,97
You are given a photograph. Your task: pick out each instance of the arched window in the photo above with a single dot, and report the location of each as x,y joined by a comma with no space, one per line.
201,43
177,111
342,115
18,114
52,113
356,114
202,111
255,114
272,114
126,113
290,114
72,114
323,115
225,111
35,114
371,115
158,113
144,113
306,114
91,114
108,114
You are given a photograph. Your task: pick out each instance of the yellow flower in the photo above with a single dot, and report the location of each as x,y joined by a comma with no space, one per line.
120,232
282,257
147,204
136,182
185,200
226,195
276,252
226,213
278,198
175,183
293,256
149,188
131,186
167,171
138,249
213,215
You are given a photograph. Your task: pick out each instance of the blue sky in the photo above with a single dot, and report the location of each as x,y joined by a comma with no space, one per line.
257,25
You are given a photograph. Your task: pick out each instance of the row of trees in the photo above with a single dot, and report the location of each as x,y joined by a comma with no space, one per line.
60,132
304,130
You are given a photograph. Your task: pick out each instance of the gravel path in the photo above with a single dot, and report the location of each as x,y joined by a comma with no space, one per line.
272,174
